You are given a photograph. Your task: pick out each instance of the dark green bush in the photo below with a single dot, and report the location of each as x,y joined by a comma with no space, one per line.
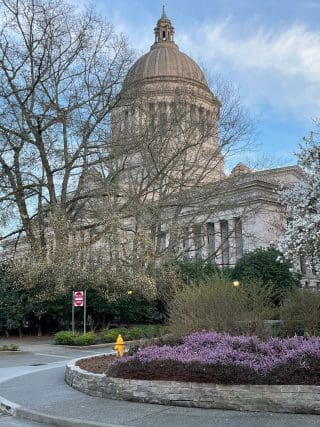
135,309
135,332
112,334
68,338
14,304
88,339
196,271
9,347
269,267
64,338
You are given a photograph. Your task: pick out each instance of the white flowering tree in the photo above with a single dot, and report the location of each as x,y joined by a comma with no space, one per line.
301,239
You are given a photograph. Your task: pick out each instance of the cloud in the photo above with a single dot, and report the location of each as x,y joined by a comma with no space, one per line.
280,68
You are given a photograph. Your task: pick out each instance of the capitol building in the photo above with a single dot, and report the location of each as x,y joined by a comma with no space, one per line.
169,194
168,114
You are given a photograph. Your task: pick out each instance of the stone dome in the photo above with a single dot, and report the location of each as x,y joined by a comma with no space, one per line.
165,61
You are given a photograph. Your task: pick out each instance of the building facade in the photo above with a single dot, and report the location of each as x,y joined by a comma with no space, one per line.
167,163
166,99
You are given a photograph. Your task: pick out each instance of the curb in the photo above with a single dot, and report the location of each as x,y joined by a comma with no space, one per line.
9,352
105,345
85,347
258,398
7,406
20,412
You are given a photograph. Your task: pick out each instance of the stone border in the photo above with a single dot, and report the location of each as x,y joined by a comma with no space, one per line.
265,398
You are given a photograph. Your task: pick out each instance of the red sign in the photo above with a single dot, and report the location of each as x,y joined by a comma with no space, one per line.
78,299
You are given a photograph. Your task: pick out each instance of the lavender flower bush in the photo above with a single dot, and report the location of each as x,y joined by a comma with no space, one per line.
219,354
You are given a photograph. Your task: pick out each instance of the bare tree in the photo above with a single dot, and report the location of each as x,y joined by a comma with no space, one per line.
60,72
115,193
168,179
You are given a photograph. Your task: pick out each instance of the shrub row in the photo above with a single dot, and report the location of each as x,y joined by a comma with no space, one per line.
135,332
9,347
68,338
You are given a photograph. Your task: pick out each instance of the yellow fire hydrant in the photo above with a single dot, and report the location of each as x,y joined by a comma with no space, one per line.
119,346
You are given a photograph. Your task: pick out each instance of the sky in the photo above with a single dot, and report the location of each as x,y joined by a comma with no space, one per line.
268,49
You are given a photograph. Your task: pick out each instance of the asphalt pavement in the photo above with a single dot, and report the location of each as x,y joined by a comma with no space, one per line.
34,384
8,421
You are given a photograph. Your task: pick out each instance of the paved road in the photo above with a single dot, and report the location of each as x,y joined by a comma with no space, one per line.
42,388
7,421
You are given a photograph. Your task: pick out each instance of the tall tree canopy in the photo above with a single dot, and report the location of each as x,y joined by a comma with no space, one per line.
60,72
67,183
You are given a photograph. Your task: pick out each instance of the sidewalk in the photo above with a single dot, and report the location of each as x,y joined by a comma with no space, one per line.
27,343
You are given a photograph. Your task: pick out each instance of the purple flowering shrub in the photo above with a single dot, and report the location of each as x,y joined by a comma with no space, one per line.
222,358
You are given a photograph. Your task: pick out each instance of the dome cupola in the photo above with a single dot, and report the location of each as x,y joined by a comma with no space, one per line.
164,62
164,30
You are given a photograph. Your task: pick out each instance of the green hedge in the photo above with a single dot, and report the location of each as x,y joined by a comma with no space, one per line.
68,338
9,347
135,332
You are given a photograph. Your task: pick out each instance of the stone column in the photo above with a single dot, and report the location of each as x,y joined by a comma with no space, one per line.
225,247
218,245
187,243
210,247
232,242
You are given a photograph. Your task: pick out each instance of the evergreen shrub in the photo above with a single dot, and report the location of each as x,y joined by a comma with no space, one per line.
268,266
68,338
135,332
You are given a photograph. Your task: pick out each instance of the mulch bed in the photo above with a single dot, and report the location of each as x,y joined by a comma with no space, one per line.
198,373
97,365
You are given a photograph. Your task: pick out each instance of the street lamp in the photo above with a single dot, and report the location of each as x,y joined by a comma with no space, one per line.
236,283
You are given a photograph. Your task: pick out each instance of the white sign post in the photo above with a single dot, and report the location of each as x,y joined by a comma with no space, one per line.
79,299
